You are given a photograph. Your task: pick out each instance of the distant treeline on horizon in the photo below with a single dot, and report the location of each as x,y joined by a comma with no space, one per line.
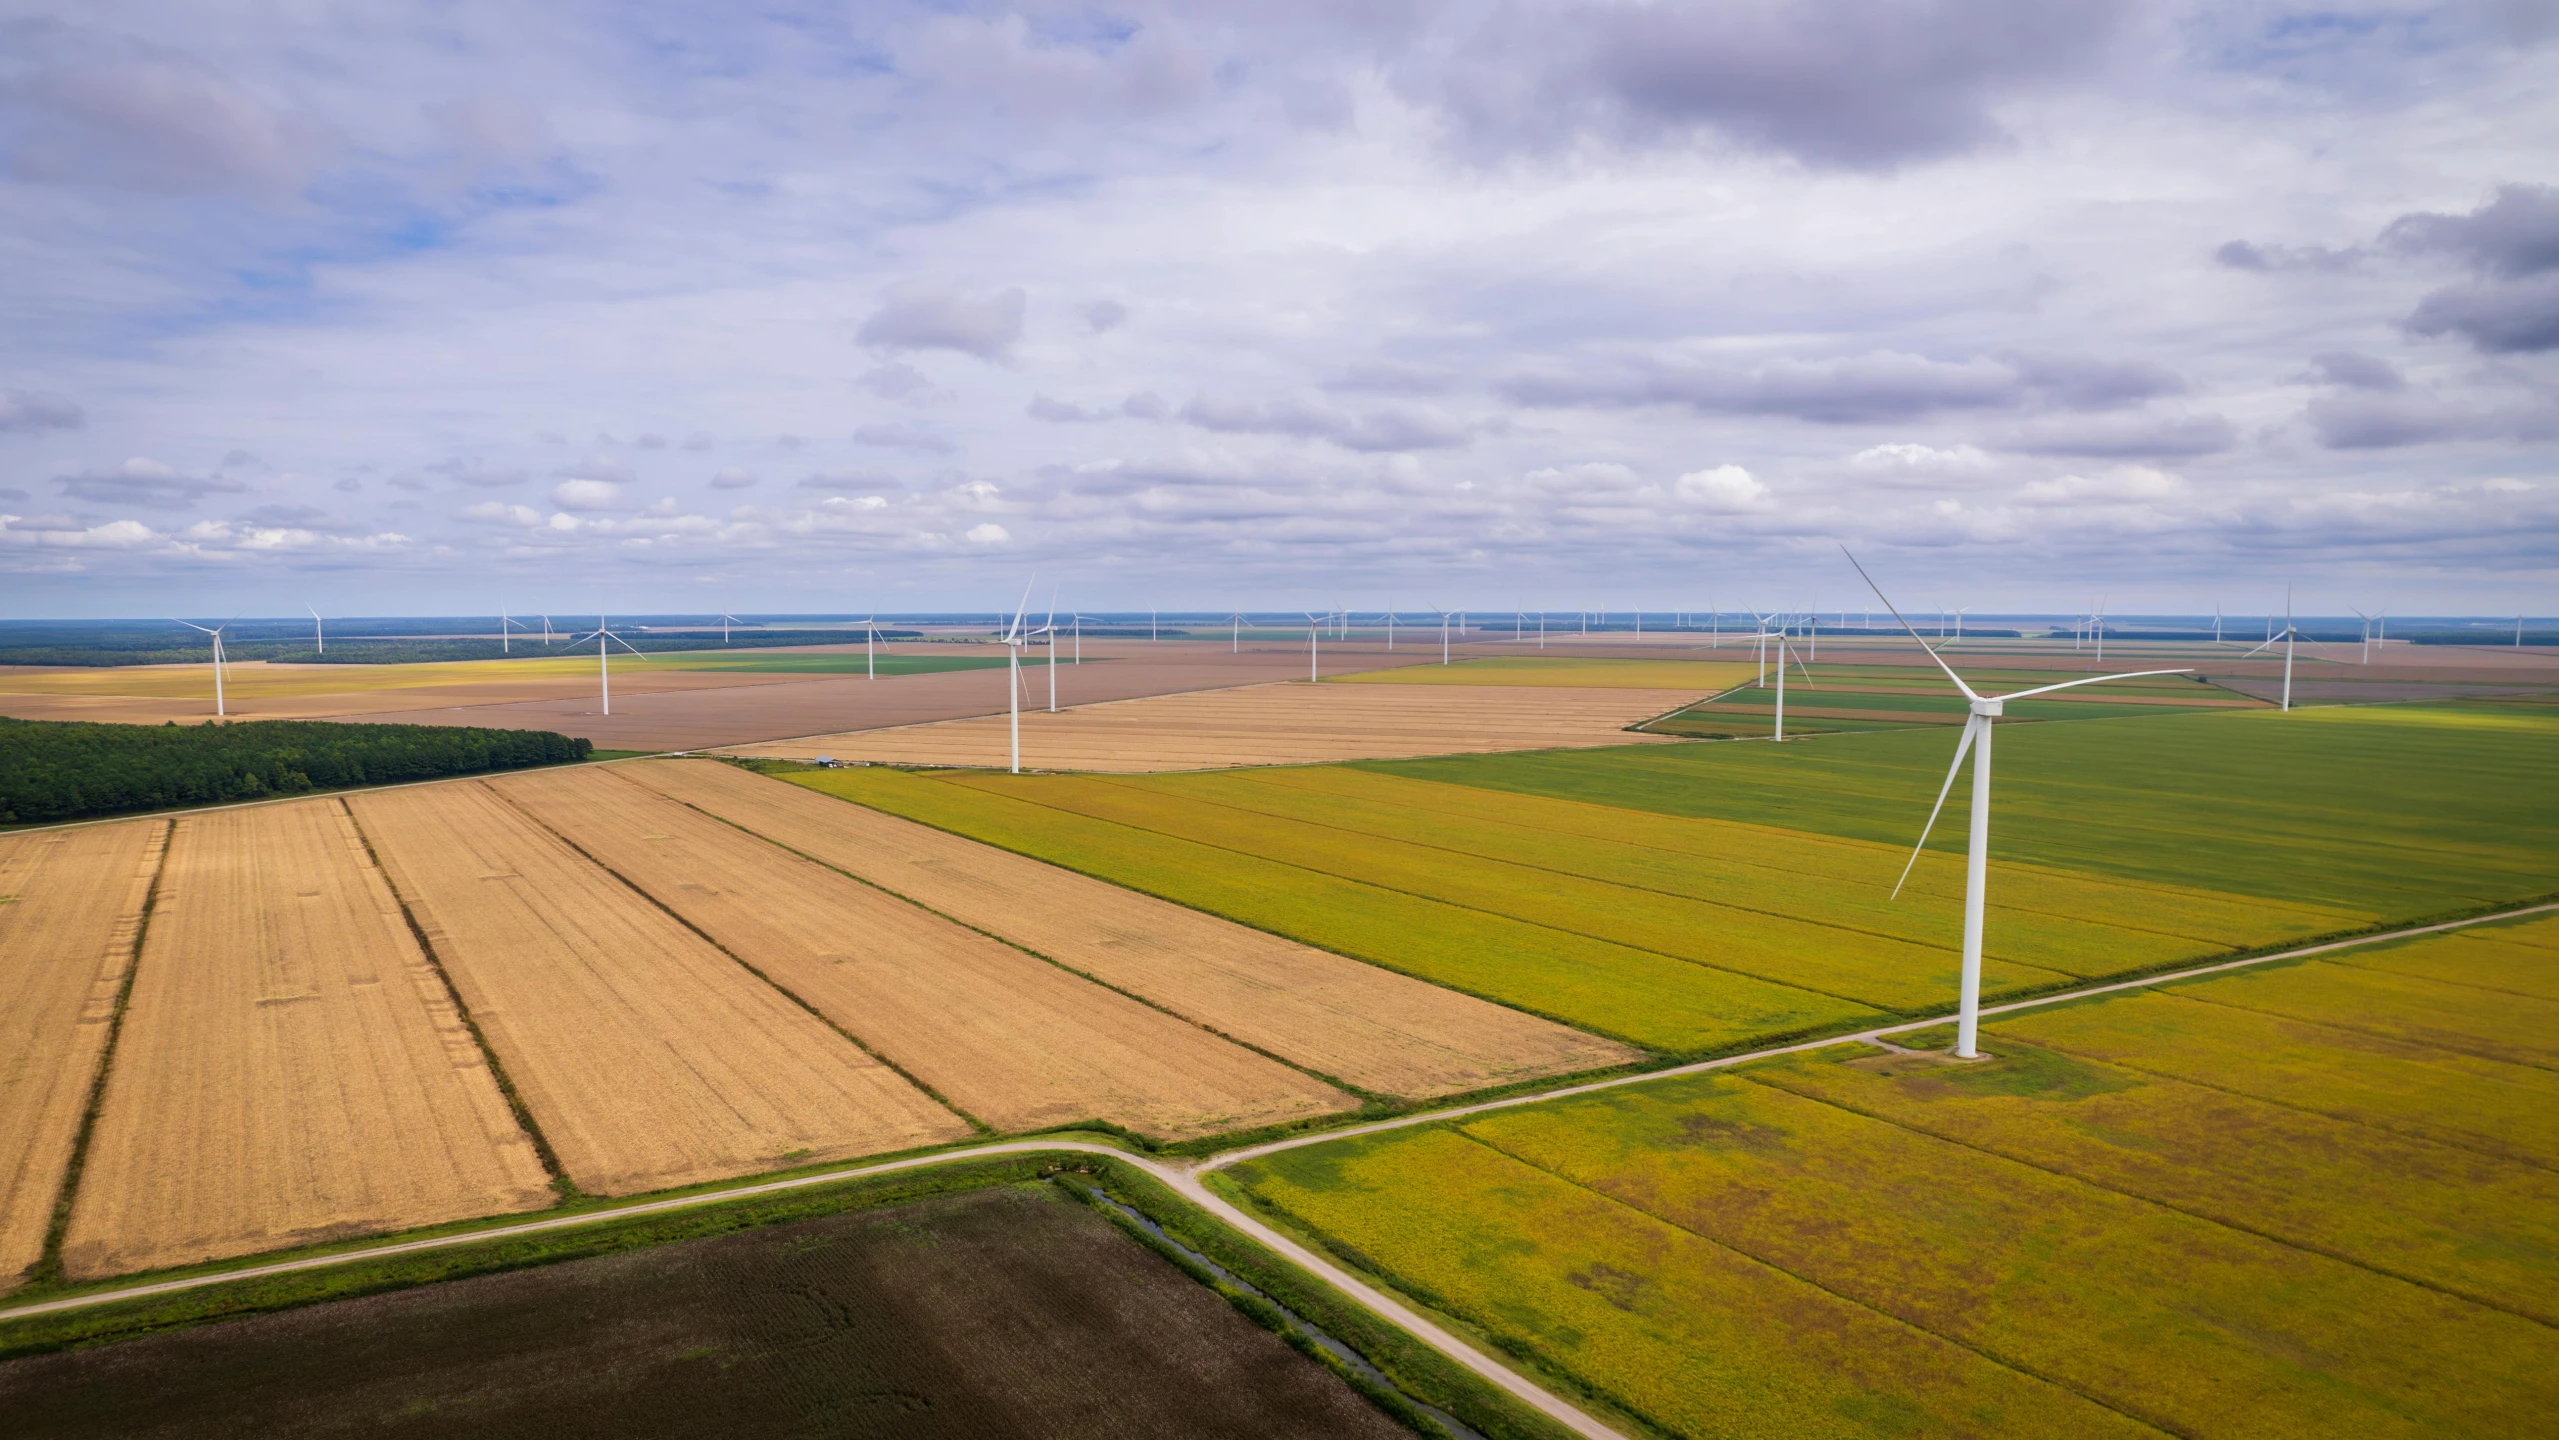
52,770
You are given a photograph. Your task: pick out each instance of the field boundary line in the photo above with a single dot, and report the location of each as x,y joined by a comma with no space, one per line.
67,1189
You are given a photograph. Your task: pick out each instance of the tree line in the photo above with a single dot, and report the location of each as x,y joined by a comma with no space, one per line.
74,769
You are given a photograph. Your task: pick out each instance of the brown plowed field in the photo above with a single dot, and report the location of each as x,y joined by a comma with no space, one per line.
1006,1036
648,1058
290,1067
69,902
1373,1028
1291,724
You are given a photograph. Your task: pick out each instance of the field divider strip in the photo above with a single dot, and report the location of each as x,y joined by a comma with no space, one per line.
742,963
1366,1096
2172,1206
561,1183
1470,909
1870,1307
49,1259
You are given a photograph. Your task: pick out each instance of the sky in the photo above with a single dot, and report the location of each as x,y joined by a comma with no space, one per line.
433,308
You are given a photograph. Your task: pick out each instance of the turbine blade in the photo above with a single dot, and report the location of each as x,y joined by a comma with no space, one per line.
1019,610
2268,645
1969,692
625,644
2091,680
1961,750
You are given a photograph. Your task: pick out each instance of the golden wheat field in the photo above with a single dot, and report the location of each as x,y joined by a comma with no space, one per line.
1287,724
290,1068
647,1057
70,901
1370,1027
1002,1034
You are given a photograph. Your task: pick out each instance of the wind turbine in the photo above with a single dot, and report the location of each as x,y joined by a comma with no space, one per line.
727,620
1985,710
319,642
1314,627
1541,629
2216,622
504,632
604,658
1782,654
1235,633
216,632
546,632
2367,636
1443,633
2286,635
1048,628
870,652
1013,642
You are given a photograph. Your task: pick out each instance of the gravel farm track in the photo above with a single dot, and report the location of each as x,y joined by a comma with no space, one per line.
1187,1179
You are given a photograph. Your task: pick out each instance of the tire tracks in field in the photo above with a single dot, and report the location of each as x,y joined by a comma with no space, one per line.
1188,1179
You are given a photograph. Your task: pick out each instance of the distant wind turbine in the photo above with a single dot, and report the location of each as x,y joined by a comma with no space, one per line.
1235,633
216,632
727,620
1443,634
1013,642
319,642
1985,710
1314,627
604,637
2287,635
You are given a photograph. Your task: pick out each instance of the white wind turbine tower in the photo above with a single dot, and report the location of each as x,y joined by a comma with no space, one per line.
1443,633
1314,628
604,638
2286,635
1762,638
507,626
2216,622
727,620
319,642
1235,633
546,632
216,632
1048,628
1782,656
1985,711
2366,653
1013,642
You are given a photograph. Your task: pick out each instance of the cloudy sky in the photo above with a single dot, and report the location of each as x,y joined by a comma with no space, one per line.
433,307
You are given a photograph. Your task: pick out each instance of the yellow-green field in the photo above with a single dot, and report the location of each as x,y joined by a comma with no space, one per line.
1580,672
2234,1207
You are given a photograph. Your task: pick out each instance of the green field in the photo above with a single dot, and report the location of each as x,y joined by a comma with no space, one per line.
1691,898
2138,1213
1830,699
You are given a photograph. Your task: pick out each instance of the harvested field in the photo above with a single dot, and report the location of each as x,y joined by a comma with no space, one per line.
1579,672
2225,1226
646,1056
290,1067
1289,724
1370,1027
152,694
2518,959
70,904
1003,1312
1005,1036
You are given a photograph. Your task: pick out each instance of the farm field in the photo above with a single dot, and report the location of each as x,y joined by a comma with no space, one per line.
70,907
1825,697
2129,1208
1002,1035
1277,724
1680,933
1580,672
1383,1032
646,1057
1009,1311
290,1069
1631,995
2388,811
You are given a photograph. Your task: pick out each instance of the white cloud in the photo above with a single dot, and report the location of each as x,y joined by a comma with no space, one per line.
1905,455
586,494
2122,484
989,533
1726,489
